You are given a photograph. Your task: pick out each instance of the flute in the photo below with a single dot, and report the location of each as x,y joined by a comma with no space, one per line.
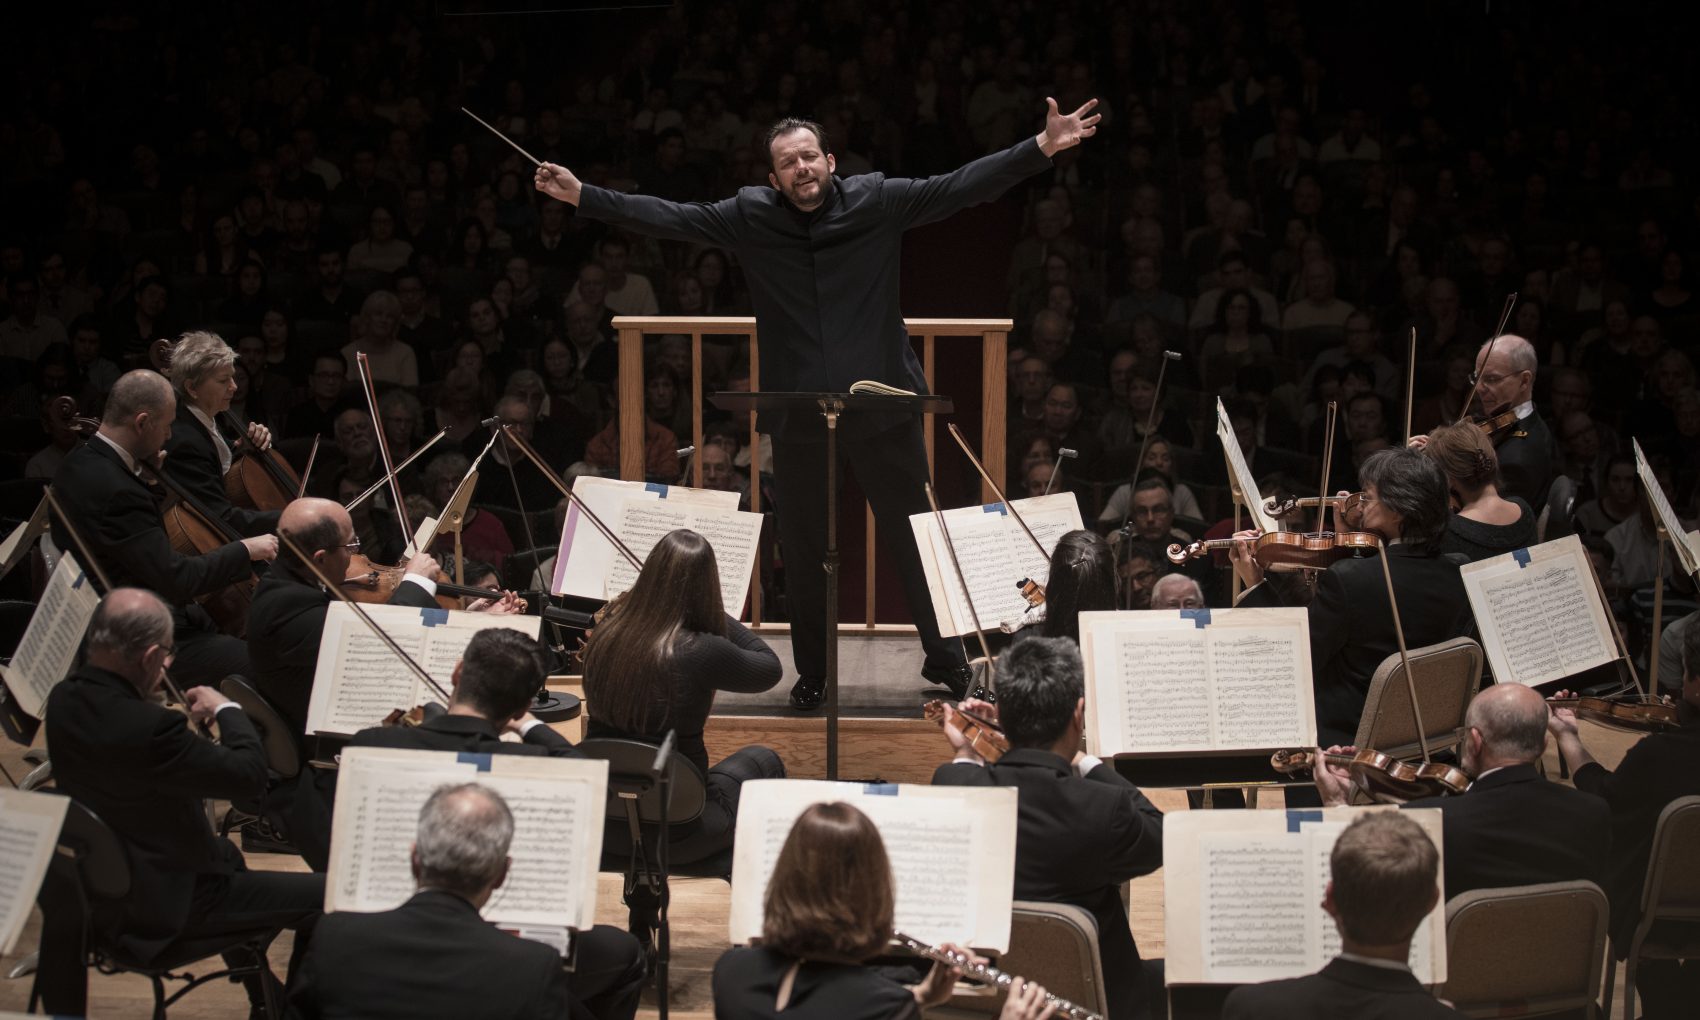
989,975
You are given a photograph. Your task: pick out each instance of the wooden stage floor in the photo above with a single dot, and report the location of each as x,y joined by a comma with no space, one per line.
894,750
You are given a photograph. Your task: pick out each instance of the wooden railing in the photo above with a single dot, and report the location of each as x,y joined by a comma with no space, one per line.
992,334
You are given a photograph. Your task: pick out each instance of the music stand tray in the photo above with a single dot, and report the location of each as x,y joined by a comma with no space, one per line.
831,406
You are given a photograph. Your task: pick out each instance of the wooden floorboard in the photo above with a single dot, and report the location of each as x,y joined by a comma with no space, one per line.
889,749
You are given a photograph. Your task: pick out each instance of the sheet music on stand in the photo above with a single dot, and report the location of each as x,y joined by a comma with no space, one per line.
22,537
557,804
1539,613
29,831
1242,894
1240,472
923,827
49,645
1686,543
359,680
641,513
1197,681
995,555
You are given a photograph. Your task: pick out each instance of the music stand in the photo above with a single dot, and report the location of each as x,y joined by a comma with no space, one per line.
830,406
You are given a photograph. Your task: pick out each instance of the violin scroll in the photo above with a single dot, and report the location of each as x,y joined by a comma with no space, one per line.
1179,553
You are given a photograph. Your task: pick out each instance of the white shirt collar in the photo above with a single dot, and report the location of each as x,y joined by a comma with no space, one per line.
1374,961
123,454
1525,409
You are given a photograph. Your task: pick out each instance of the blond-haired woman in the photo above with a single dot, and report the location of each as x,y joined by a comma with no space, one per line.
199,453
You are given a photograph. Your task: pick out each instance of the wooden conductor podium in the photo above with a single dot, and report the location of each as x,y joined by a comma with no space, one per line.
832,406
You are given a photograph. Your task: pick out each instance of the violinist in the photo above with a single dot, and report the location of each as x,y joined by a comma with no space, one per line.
1351,622
1524,445
1513,826
198,455
100,485
1484,523
1082,579
1661,767
1081,829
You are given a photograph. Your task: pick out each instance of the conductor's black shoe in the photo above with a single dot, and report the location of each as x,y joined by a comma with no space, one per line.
956,676
808,693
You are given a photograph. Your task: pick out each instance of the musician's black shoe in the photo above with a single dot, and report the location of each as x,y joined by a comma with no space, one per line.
956,676
983,693
260,836
808,693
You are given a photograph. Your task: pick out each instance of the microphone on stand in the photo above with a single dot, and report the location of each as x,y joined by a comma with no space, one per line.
1061,453
491,422
684,451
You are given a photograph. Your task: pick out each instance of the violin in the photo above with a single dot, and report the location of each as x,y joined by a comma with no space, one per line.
1032,591
1638,713
1386,779
373,584
984,736
1288,550
1496,426
1350,506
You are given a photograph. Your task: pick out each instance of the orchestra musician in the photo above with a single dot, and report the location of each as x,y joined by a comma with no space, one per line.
198,456
1081,828
1484,523
1512,827
435,957
100,487
1082,579
1383,880
1351,621
828,910
1507,375
140,768
821,256
1658,769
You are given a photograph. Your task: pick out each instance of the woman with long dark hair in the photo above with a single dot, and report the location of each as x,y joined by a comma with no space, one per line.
827,911
654,664
1082,579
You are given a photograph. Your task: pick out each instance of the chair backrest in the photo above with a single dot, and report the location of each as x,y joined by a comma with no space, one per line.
92,855
283,756
631,782
1525,950
1056,945
1673,884
1446,677
520,566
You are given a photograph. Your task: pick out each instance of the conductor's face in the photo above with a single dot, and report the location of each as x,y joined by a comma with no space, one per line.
801,171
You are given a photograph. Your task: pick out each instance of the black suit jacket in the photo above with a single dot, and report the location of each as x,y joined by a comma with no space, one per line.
192,461
433,956
1351,626
138,766
1077,840
824,283
118,516
1525,461
465,733
1342,989
746,986
1514,828
285,623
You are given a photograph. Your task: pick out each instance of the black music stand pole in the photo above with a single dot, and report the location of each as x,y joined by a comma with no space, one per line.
831,406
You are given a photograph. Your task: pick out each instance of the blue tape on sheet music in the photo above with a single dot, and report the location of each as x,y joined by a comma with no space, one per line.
1521,556
996,508
433,617
78,583
657,488
1295,819
880,789
482,761
1200,617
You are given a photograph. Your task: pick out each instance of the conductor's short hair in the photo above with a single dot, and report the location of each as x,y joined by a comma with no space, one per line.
786,125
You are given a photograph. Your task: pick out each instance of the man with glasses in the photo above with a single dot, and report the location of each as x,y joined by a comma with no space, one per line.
1176,591
1506,373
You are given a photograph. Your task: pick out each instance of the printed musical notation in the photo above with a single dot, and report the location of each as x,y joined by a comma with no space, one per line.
995,555
1539,612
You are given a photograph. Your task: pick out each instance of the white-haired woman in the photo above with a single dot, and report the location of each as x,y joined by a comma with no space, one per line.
199,452
378,336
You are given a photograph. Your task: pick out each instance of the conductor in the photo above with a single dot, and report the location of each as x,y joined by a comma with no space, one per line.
821,256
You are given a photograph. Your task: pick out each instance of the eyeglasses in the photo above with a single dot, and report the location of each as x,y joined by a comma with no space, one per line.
353,546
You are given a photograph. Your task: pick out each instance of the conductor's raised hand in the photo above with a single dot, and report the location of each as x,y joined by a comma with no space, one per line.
557,182
1066,131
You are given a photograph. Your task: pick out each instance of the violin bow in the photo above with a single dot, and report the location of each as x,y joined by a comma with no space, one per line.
100,575
1327,462
1144,447
1476,380
1410,382
380,483
336,590
956,434
956,565
567,491
1404,655
1622,646
312,457
365,369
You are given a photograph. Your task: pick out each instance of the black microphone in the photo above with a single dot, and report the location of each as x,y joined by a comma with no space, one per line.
1061,453
684,451
494,421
